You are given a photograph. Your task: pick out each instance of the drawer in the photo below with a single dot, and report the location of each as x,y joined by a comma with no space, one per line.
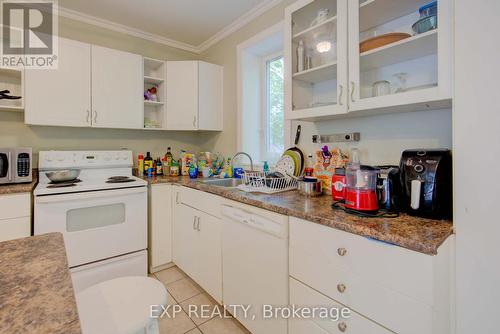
381,281
199,200
328,249
15,206
15,228
303,296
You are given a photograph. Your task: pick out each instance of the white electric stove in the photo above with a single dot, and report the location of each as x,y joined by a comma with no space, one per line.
102,214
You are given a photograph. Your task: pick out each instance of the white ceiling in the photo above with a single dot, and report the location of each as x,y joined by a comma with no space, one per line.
190,22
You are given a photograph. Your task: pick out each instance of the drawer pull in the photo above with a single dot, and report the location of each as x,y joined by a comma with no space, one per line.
342,251
341,288
342,327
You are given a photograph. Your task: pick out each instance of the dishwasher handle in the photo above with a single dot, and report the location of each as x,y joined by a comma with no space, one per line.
255,221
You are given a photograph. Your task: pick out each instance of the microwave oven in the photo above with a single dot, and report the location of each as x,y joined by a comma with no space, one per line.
15,165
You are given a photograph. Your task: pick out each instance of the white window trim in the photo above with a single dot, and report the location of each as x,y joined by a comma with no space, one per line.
265,107
279,27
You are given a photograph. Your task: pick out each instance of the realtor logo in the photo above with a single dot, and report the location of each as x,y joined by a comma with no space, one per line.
29,34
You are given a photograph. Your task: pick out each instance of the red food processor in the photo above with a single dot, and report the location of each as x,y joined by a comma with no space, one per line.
361,188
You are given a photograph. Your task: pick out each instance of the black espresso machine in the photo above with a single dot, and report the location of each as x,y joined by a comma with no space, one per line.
426,178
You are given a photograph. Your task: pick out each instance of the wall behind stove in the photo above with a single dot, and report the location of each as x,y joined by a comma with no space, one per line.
13,131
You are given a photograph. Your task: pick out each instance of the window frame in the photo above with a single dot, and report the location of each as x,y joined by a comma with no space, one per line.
265,155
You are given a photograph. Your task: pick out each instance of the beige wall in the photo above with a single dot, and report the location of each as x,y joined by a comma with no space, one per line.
224,53
383,137
13,131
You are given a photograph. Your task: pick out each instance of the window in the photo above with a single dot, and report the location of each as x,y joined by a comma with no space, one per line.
273,117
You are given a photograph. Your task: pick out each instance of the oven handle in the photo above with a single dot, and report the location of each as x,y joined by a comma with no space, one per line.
89,195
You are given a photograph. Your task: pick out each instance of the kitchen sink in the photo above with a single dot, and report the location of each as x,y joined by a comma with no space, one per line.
228,183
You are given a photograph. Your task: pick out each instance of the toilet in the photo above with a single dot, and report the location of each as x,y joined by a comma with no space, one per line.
121,306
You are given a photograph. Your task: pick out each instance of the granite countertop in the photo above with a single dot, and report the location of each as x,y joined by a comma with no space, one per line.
15,188
36,291
415,233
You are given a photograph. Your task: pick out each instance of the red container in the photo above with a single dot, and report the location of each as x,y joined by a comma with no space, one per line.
338,184
361,200
361,188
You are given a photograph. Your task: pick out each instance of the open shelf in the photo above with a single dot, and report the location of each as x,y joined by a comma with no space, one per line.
306,32
12,80
153,103
373,13
153,80
410,48
318,74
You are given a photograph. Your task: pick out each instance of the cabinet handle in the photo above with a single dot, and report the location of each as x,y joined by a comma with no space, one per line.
342,251
198,224
194,223
194,121
177,198
342,327
353,86
341,95
95,117
88,116
341,288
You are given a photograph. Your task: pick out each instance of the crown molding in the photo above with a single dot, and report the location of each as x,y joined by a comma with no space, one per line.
226,31
92,20
238,23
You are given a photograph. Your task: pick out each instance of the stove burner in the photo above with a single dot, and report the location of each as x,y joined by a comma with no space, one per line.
65,183
120,179
61,185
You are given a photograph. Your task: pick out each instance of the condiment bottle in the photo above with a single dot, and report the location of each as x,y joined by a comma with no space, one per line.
140,164
148,163
309,170
159,167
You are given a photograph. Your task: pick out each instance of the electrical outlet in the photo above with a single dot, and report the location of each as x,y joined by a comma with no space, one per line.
337,138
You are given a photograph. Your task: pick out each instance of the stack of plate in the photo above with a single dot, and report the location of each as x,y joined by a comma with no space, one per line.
292,162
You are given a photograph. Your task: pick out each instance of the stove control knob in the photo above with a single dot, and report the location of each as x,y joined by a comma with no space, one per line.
107,157
125,156
117,156
419,168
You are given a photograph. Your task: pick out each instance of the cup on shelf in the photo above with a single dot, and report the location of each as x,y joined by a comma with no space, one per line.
380,88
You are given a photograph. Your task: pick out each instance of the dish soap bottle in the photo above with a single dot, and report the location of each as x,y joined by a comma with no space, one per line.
265,168
140,165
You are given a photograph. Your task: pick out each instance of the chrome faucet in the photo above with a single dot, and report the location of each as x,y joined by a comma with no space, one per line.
243,153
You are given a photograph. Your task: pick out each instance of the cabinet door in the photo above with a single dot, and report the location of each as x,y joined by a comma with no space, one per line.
415,70
182,95
210,96
61,96
210,255
117,89
15,228
185,239
160,229
316,59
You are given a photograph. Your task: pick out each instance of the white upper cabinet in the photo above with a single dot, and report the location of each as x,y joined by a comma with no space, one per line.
409,73
61,96
117,87
316,58
194,96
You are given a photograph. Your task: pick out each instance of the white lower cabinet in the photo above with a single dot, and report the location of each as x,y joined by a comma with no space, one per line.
197,248
160,226
402,290
304,297
15,216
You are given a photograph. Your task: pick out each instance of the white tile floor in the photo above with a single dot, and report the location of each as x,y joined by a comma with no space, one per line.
184,291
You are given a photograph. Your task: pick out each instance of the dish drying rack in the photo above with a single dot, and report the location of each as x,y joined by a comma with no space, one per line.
255,181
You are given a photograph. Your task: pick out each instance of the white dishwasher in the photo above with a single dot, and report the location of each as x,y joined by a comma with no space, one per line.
255,265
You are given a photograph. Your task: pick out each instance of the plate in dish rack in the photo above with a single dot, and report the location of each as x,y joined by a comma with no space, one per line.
285,165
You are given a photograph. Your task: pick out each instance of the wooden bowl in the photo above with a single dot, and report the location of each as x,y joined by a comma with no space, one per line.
376,42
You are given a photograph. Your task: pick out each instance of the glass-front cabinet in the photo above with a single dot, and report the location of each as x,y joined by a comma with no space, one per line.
364,57
316,58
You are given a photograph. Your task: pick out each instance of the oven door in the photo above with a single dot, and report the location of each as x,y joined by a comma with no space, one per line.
96,225
4,167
